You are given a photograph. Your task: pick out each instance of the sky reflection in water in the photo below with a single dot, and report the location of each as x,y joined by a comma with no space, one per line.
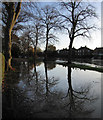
52,91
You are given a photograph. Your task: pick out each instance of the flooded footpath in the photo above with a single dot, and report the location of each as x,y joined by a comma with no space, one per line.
49,90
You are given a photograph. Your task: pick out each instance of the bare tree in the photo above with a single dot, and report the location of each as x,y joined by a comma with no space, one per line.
32,36
26,16
77,18
50,21
18,26
25,41
30,16
12,13
36,35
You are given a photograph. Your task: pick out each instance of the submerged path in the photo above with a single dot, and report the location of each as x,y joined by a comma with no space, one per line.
83,66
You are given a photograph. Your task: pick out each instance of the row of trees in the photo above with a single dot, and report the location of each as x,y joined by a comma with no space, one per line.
26,52
36,24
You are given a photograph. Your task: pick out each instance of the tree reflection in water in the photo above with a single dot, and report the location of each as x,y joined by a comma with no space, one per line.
50,82
76,102
29,93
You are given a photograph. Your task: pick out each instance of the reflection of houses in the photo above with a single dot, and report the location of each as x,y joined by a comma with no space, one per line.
98,52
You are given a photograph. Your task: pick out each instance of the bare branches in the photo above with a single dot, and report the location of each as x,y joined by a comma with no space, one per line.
50,21
73,17
76,16
66,18
18,8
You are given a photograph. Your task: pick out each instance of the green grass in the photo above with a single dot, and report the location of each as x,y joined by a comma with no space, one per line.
84,67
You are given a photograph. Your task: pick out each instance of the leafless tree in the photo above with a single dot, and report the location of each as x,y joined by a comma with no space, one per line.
12,11
26,17
25,41
50,21
32,36
30,16
37,35
77,19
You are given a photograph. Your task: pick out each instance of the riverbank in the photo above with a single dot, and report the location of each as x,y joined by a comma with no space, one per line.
84,66
81,66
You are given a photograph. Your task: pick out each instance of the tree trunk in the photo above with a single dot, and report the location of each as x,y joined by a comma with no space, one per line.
35,71
46,75
70,92
70,51
46,49
8,46
7,56
36,41
46,45
35,54
11,19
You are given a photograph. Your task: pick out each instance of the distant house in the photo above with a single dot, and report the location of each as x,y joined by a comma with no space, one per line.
98,52
84,52
74,52
63,51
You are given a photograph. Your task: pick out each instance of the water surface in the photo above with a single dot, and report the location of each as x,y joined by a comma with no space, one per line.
49,90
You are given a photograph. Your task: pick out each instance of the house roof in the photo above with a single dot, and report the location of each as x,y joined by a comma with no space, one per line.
84,48
100,48
74,48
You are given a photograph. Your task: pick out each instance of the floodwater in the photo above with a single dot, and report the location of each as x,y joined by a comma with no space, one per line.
49,90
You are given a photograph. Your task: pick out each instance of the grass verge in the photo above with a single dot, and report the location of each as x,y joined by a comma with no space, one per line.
84,67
